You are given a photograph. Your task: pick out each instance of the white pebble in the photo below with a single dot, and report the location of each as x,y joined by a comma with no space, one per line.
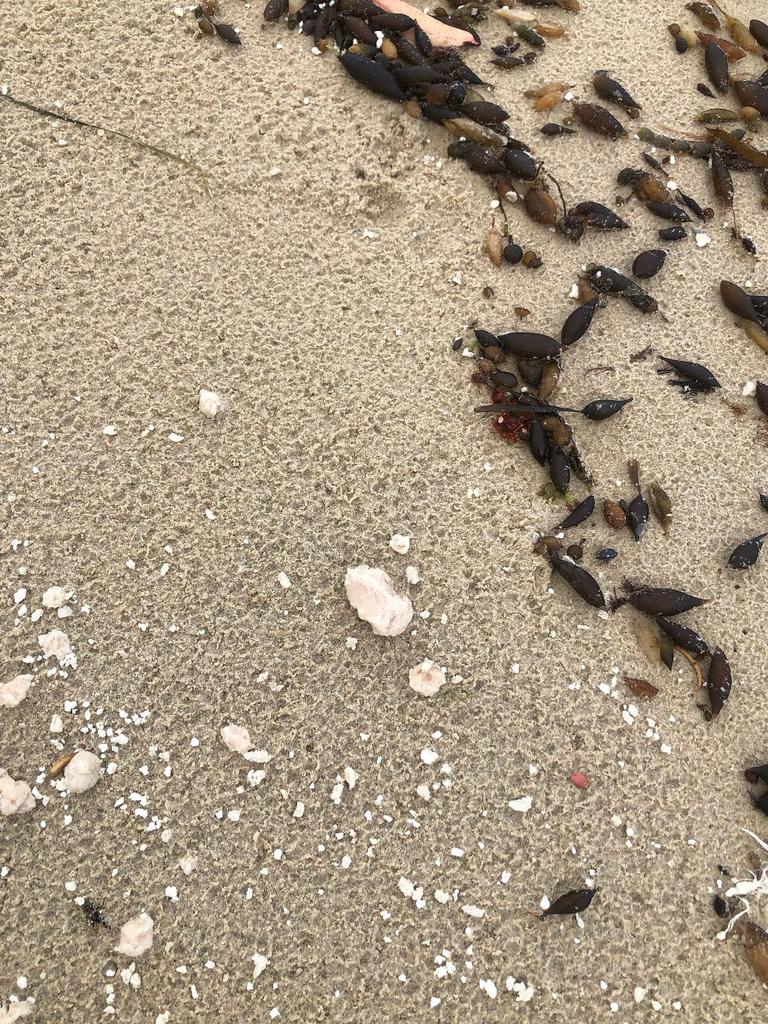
426,678
371,594
210,404
400,542
136,936
83,772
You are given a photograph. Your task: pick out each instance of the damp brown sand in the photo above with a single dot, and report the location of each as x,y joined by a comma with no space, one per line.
125,289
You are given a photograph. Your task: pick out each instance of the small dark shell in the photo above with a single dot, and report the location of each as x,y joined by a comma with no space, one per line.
552,129
484,112
720,907
614,514
598,216
721,177
531,369
606,554
357,28
761,397
227,33
694,207
764,501
747,553
423,42
718,681
752,94
694,372
684,637
409,75
757,774
486,339
759,30
572,902
372,75
559,468
674,234
649,263
738,302
520,164
608,280
637,516
669,211
503,379
538,442
540,206
705,14
275,10
705,90
581,513
610,89
599,120
604,408
583,582
663,601
482,161
526,344
716,64
578,322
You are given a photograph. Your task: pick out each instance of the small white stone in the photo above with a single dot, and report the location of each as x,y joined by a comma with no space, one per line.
136,936
284,580
639,994
426,678
702,239
429,756
472,910
412,575
176,438
260,964
15,796
258,756
400,542
110,430
210,404
424,791
55,644
298,811
350,777
83,772
522,805
55,597
57,724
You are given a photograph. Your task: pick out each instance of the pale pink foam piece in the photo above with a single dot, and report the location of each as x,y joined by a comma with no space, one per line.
236,738
439,34
15,797
136,936
15,691
371,594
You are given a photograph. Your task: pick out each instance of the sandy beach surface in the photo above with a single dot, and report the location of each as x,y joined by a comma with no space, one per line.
317,286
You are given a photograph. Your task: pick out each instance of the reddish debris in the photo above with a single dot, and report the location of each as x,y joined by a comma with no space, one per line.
580,780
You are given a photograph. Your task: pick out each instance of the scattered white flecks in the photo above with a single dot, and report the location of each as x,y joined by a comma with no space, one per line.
176,438
749,389
83,772
298,811
472,911
209,403
15,691
55,645
371,594
284,580
55,597
429,756
136,936
489,988
350,777
236,738
522,805
426,678
639,994
15,796
702,239
525,993
424,791
370,233
110,430
351,643
457,278
260,964
406,887
400,542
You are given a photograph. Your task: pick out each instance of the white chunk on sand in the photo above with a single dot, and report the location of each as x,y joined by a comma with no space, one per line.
351,777
429,756
260,964
236,738
136,936
284,580
56,597
426,678
371,594
400,542
15,796
521,805
55,644
57,724
412,575
210,404
15,691
15,1011
83,772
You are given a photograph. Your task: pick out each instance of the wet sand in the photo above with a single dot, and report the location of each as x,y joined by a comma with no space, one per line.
126,288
